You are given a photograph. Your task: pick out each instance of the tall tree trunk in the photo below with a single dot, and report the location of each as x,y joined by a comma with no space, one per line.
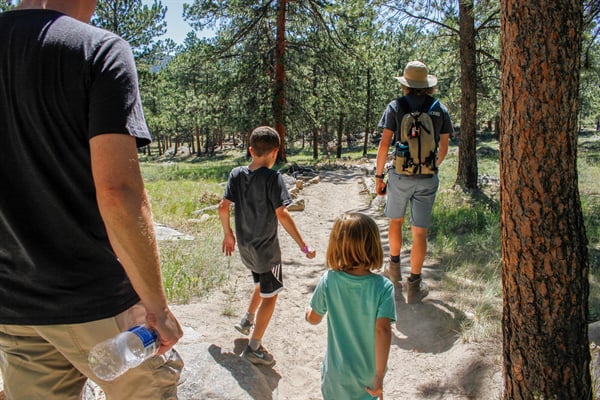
279,92
315,130
324,137
544,245
340,132
198,142
315,142
367,113
467,158
115,16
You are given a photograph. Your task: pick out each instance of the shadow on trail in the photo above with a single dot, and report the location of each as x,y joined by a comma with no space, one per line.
258,381
428,327
465,381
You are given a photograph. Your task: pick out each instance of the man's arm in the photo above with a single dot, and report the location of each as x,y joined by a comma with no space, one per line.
125,210
443,148
382,156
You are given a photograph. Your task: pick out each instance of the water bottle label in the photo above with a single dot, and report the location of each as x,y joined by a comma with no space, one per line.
147,336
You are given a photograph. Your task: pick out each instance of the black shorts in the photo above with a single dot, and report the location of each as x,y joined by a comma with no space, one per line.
270,282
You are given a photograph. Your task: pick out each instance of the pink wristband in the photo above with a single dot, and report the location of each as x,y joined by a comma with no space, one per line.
306,249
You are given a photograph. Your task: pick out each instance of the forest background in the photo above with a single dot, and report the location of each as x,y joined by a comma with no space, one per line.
322,72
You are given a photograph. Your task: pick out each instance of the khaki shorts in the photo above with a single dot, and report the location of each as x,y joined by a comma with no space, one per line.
419,192
50,362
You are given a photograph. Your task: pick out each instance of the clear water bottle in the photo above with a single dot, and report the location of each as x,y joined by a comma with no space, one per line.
113,357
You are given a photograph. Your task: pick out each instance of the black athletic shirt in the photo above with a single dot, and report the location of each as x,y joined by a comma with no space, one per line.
256,195
62,82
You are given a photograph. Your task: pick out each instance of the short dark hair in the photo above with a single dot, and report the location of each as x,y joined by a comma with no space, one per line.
263,140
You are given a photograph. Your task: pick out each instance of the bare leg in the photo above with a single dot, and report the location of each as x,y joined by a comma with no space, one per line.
419,249
263,316
395,236
254,300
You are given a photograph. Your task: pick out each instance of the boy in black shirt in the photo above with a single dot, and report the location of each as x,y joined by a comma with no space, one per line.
260,198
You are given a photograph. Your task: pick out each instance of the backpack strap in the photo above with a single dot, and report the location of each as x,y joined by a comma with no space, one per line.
402,107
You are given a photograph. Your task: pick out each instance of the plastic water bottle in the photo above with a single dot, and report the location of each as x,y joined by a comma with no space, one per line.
113,357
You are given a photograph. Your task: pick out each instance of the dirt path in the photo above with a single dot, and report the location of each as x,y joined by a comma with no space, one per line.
427,359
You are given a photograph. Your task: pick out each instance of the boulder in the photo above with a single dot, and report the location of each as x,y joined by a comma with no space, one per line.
297,205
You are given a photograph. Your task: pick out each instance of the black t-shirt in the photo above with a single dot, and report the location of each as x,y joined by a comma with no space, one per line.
62,82
257,194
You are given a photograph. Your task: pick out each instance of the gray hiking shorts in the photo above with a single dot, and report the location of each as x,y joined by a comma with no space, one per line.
420,192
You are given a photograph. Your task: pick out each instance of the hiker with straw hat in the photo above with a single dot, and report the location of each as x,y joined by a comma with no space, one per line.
411,181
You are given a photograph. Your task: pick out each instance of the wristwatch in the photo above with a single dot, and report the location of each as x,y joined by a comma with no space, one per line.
380,176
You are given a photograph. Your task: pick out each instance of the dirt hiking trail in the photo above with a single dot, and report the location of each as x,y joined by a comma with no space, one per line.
428,360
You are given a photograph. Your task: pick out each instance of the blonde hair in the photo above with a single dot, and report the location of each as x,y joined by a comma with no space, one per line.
354,242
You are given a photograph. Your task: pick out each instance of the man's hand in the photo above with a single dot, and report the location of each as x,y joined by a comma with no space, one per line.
380,187
168,329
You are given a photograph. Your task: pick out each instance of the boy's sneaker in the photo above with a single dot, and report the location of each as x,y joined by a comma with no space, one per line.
258,356
244,326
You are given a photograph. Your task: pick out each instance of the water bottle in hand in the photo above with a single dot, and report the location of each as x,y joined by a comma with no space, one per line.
113,357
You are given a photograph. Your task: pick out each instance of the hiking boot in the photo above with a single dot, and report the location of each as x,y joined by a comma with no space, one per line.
258,356
416,291
244,326
393,273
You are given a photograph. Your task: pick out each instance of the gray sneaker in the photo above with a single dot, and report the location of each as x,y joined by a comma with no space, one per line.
244,326
416,291
258,356
392,271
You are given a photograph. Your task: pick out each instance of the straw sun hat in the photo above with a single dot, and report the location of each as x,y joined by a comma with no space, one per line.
416,75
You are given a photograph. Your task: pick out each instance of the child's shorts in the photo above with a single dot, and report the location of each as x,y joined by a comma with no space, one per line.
271,283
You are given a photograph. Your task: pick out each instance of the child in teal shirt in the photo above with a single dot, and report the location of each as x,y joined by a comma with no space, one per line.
360,308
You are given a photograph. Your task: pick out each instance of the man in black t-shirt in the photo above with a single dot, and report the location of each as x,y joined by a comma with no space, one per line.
78,255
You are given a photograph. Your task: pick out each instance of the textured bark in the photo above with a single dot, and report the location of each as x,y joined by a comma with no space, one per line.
544,246
467,159
279,92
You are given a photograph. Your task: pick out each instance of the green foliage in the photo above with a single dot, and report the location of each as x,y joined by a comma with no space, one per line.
192,268
137,23
183,197
207,170
6,5
588,167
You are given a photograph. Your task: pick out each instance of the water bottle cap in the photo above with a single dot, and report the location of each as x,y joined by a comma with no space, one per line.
146,335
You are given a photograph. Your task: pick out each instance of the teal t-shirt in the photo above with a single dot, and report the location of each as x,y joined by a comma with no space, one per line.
352,304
